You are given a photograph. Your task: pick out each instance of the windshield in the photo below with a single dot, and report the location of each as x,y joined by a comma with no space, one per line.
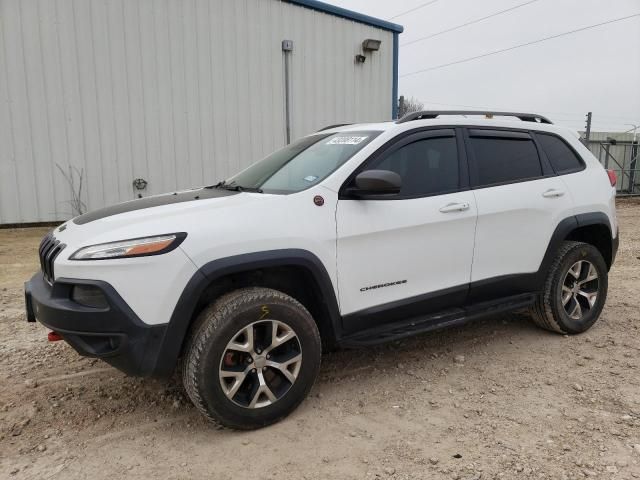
301,164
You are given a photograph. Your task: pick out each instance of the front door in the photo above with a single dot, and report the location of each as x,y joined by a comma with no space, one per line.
410,253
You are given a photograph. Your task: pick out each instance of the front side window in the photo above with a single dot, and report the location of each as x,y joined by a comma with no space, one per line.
301,164
562,158
427,167
504,160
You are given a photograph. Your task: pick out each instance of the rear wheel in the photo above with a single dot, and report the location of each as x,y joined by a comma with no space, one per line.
575,290
252,358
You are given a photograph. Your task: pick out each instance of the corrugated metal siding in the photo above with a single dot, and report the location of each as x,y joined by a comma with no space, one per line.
178,92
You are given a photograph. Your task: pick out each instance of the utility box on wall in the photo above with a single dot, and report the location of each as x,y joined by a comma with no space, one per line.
106,100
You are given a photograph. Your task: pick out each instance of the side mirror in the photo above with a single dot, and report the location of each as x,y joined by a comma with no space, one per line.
376,182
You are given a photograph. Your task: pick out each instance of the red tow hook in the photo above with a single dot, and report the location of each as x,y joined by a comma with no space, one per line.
53,336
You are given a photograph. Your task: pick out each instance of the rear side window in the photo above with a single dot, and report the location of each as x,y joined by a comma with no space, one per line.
562,158
504,160
427,167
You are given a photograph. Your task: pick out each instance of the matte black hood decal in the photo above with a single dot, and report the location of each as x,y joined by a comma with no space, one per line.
157,201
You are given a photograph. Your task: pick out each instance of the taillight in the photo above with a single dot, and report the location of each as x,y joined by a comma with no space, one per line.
612,177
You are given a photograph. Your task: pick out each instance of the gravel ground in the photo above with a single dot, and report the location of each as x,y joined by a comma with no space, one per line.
493,399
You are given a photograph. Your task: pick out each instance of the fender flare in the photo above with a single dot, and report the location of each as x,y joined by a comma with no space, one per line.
593,218
564,229
182,315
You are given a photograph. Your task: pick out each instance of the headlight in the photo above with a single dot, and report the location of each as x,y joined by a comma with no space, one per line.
135,247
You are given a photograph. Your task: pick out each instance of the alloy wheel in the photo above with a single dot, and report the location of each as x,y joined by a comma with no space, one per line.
580,289
260,364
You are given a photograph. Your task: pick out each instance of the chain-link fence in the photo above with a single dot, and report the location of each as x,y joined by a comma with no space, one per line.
618,152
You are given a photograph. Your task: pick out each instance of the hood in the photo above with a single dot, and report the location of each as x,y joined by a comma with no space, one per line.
154,201
161,214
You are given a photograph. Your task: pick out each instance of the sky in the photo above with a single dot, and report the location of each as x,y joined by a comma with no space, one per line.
595,70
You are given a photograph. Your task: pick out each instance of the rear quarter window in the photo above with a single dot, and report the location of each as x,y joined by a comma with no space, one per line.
563,159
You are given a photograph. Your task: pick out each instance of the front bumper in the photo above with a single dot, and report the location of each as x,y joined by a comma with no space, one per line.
114,333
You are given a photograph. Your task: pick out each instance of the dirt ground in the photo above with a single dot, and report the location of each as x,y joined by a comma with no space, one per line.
493,399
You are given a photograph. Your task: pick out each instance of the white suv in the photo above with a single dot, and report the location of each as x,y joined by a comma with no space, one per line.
351,236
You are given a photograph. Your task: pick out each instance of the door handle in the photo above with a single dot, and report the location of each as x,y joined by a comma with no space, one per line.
455,207
553,193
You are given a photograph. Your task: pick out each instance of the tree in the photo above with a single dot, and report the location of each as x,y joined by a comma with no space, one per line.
77,205
408,105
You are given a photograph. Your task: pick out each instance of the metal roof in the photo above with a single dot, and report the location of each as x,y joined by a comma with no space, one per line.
348,14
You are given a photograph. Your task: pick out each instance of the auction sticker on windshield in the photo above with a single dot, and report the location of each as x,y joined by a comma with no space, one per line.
350,140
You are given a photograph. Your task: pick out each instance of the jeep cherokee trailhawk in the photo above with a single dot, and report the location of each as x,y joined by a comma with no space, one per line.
354,235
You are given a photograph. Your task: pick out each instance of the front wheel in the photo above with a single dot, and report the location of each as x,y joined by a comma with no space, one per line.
252,358
575,290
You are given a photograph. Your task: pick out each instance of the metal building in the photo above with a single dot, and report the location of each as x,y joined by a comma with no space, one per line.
95,94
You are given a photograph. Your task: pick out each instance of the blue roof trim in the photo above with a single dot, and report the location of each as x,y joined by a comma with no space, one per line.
348,14
394,87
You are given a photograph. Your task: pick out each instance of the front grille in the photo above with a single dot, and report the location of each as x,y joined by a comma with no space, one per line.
49,250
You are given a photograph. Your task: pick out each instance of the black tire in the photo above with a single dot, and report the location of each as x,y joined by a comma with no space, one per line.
222,322
549,311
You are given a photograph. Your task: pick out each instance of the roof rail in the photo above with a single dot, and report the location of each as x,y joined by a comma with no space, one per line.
429,114
334,126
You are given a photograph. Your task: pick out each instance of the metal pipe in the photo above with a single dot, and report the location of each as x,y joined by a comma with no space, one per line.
287,47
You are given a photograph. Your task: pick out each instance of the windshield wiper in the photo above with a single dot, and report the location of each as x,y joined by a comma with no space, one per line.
220,184
235,188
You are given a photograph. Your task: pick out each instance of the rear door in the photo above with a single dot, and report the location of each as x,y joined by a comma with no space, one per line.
520,201
409,253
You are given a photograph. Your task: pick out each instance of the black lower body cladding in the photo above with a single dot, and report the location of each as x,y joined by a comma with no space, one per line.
615,246
114,334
